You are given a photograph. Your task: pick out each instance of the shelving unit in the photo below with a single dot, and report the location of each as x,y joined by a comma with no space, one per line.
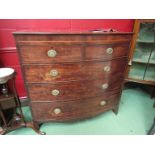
141,68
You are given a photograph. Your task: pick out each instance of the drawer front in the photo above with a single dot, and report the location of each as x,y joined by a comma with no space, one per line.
75,89
76,71
72,53
78,109
103,52
8,103
50,54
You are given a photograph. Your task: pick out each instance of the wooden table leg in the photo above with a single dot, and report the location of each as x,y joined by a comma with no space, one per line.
152,130
33,125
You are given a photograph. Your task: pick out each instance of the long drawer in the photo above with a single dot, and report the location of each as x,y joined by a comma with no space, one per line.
73,71
74,53
75,89
71,110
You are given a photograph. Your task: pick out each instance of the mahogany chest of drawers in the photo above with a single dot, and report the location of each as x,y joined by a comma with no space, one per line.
71,76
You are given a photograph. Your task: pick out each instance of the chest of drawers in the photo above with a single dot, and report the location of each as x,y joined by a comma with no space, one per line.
70,76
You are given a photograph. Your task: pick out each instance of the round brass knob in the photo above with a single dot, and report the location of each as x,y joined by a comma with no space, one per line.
55,92
57,111
109,50
51,53
107,68
105,86
54,72
102,103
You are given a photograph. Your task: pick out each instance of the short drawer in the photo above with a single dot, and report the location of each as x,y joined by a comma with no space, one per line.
73,71
50,54
8,102
104,52
75,89
71,110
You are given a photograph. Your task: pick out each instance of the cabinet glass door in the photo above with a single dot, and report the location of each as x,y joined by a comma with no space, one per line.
152,57
150,71
142,52
146,33
137,71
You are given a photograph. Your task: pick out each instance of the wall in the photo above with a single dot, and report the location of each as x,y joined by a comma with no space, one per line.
8,53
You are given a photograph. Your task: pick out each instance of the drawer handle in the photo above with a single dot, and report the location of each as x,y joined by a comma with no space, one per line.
55,92
109,50
57,111
52,53
54,73
107,68
102,103
105,85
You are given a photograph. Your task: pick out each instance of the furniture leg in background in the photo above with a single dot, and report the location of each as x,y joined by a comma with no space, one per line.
11,115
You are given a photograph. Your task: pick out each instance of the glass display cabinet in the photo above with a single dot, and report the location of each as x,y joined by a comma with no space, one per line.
141,66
